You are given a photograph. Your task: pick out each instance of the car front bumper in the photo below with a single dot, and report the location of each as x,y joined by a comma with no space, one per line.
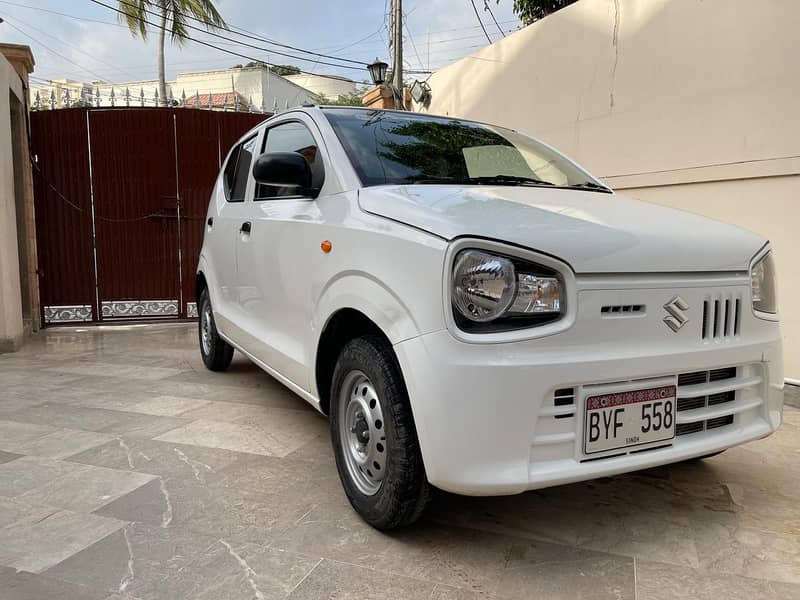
488,424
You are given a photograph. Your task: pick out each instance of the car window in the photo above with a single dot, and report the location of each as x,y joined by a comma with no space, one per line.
387,147
238,183
229,173
290,137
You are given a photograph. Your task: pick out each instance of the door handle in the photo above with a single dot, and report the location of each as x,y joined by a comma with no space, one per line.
246,227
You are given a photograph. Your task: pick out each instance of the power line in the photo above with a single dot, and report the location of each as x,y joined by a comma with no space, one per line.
55,12
413,45
210,45
477,16
489,8
54,52
249,35
77,48
246,44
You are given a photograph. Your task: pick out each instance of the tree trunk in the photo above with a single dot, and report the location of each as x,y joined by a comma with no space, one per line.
162,84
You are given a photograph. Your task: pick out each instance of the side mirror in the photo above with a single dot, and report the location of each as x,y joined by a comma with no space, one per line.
284,169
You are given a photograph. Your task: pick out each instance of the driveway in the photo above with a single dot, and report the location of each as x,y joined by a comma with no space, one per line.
130,471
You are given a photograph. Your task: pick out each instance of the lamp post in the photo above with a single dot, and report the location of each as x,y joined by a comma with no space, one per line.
377,71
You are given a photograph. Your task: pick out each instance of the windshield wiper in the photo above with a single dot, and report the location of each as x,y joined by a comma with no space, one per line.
509,179
591,185
487,180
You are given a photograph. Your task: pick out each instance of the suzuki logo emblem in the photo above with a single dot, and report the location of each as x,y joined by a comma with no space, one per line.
676,317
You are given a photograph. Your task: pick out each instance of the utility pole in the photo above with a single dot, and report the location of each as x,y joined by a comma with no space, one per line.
397,47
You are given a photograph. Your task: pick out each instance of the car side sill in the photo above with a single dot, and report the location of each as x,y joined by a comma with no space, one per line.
305,395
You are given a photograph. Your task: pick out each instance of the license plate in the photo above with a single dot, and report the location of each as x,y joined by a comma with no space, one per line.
625,419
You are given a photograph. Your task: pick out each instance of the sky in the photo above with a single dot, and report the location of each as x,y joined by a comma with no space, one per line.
90,44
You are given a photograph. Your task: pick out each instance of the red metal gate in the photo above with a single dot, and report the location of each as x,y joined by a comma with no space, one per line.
121,196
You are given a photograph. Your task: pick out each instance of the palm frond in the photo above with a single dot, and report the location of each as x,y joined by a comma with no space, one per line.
133,13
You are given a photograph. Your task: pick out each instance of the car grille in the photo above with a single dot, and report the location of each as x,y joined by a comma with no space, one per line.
721,317
710,399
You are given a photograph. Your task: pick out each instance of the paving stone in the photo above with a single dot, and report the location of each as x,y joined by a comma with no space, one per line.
29,472
97,419
235,571
65,484
277,432
38,545
657,581
241,459
14,435
20,585
138,556
332,579
165,459
8,457
63,442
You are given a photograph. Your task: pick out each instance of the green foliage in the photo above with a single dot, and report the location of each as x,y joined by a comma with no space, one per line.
352,99
532,10
437,147
136,13
283,70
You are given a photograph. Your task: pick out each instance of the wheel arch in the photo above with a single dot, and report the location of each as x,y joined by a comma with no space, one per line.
351,305
342,326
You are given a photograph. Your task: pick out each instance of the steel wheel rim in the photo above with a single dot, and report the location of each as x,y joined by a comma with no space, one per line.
361,433
205,329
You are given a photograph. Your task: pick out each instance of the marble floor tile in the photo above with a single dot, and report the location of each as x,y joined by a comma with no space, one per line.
97,419
38,545
63,442
342,581
121,369
135,557
21,585
13,434
29,472
165,459
13,511
86,488
173,460
235,571
276,435
168,406
656,581
8,456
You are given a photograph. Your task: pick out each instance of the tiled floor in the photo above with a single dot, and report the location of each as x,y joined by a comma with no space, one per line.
129,471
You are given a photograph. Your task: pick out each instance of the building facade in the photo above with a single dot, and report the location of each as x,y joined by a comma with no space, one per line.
247,88
19,298
328,86
686,104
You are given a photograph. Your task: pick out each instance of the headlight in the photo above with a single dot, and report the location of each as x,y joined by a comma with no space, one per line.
762,282
492,292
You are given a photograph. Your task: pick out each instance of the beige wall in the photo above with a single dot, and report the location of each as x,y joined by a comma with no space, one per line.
11,327
687,103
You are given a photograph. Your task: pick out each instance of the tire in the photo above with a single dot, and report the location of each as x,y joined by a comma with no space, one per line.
216,352
367,381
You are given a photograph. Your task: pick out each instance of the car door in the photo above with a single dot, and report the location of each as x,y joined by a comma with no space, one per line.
274,258
222,233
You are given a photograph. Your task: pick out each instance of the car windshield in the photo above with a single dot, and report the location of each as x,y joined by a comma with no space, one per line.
388,147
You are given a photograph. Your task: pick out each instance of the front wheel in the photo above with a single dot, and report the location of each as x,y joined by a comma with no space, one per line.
374,438
216,352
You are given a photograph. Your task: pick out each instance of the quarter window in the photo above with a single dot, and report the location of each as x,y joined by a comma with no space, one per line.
290,137
237,170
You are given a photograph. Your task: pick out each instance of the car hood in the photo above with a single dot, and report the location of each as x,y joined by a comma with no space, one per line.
594,232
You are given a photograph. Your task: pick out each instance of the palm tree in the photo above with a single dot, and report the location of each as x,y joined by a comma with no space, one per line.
172,16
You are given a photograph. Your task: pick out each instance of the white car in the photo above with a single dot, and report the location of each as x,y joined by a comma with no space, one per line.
476,312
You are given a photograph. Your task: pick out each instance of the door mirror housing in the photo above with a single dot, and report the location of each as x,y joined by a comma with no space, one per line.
285,169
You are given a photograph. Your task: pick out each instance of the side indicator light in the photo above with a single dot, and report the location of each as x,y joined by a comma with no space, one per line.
326,246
